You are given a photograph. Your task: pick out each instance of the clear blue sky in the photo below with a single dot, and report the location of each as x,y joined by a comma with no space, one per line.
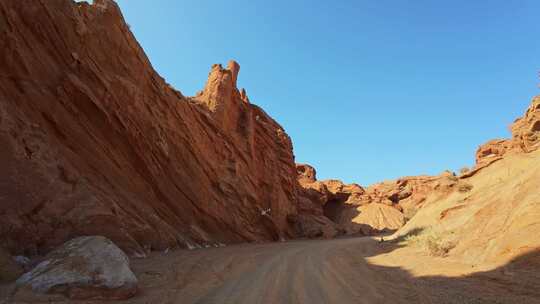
368,90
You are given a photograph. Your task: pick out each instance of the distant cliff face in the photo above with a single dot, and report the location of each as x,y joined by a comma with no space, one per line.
94,141
378,208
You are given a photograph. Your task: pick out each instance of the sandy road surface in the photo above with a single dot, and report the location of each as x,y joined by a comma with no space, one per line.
352,270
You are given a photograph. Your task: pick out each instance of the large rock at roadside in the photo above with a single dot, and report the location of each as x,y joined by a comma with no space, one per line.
90,267
95,142
9,269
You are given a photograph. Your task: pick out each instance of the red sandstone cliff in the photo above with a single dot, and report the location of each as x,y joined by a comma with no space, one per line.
94,141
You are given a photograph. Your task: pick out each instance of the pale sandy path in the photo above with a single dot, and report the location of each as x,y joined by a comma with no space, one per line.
326,271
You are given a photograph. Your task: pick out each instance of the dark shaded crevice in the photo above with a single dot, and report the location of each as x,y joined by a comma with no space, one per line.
332,209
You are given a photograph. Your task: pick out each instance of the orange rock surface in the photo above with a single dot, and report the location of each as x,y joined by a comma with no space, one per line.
94,141
494,219
525,137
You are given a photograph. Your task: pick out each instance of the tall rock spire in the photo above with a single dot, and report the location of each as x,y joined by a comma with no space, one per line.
222,97
233,68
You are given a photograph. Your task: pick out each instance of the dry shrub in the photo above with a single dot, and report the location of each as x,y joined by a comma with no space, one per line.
465,187
433,242
437,247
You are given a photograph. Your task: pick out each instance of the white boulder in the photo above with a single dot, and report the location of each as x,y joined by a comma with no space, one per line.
89,267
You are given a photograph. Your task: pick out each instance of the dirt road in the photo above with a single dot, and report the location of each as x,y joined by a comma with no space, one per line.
353,270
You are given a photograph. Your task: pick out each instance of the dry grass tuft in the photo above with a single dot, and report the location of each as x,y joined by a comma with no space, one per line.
433,242
465,187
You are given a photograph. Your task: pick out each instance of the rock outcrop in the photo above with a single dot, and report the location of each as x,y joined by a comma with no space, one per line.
330,207
526,130
525,138
95,142
379,208
409,193
90,267
492,150
311,221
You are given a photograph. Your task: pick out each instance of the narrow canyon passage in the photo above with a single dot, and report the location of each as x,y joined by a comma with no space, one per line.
350,270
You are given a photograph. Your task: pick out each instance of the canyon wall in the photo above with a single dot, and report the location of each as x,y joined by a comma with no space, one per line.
94,141
379,208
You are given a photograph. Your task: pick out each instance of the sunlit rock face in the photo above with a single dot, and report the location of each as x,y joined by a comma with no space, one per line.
525,137
526,130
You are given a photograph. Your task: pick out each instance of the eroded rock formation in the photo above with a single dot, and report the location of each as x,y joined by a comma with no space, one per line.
525,137
493,217
526,129
95,142
329,207
311,220
381,207
492,150
409,193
